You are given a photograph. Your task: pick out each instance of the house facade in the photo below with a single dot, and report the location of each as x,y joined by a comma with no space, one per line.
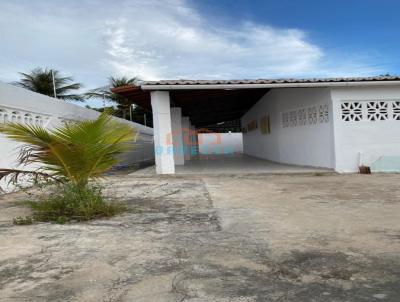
338,123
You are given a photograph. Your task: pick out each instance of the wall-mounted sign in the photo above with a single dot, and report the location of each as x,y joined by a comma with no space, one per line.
252,125
265,125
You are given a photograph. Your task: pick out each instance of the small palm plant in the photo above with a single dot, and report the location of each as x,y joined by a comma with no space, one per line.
71,155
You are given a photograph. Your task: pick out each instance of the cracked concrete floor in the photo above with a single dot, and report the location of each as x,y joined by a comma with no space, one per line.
249,238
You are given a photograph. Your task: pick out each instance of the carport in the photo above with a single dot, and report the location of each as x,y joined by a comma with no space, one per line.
321,123
178,115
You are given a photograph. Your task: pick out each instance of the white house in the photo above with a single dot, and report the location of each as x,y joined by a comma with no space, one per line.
336,123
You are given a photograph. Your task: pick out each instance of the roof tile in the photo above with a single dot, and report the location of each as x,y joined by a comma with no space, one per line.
271,81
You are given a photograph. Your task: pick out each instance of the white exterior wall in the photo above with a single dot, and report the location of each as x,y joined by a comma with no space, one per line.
21,105
217,143
373,139
310,144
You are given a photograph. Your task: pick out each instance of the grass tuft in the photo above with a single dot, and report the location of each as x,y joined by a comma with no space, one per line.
70,202
23,220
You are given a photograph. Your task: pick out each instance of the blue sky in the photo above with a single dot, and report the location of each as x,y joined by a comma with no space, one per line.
363,28
354,25
163,39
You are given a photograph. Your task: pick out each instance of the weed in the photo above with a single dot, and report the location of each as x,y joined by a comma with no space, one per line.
71,202
23,220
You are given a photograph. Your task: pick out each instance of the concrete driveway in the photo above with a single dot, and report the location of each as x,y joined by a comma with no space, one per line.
251,238
232,164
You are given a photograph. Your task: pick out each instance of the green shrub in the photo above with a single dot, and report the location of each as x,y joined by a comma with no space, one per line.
66,202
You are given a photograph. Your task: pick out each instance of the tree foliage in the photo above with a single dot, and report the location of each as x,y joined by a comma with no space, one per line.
122,103
41,81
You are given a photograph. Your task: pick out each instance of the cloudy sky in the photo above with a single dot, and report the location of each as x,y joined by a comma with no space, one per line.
164,39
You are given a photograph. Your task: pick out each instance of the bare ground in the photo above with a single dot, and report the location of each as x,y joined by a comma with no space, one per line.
249,238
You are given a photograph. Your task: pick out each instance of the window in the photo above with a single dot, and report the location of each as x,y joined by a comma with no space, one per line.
323,113
285,119
312,115
302,117
396,110
293,118
306,116
351,111
377,111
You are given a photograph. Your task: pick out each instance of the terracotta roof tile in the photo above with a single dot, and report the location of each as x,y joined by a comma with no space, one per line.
271,81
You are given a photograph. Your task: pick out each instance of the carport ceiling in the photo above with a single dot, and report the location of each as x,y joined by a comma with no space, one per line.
203,107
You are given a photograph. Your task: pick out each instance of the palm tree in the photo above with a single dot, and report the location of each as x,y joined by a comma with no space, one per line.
41,81
122,103
73,153
142,116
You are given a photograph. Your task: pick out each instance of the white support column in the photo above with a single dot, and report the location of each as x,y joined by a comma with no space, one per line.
164,152
186,136
177,139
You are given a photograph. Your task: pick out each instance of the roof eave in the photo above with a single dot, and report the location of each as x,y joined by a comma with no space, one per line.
272,85
125,88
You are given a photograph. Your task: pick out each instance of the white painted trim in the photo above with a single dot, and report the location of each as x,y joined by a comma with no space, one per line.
274,85
15,108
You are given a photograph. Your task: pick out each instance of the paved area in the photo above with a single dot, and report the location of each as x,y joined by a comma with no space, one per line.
244,238
233,164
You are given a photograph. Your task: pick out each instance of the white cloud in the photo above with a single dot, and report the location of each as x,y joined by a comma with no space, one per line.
156,39
168,39
174,41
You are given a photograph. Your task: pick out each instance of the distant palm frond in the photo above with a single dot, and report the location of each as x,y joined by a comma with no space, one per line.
41,81
105,92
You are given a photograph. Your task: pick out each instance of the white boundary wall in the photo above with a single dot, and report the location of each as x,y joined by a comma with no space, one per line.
21,105
220,143
372,127
301,127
